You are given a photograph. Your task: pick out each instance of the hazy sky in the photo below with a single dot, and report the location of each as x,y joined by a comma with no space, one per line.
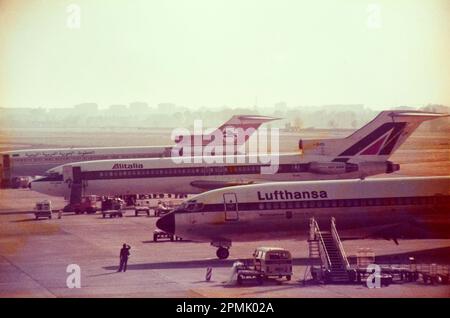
214,53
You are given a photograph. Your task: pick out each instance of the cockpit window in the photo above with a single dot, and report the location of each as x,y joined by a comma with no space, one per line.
53,176
191,206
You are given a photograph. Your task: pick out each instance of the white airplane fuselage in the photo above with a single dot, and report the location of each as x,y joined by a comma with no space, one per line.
363,153
35,162
108,177
386,207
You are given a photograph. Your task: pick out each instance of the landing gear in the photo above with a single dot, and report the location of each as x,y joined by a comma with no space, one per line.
222,253
222,249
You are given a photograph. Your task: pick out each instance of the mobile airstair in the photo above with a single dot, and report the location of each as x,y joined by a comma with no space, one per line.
329,262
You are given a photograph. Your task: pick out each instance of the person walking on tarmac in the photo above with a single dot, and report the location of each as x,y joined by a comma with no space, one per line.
124,253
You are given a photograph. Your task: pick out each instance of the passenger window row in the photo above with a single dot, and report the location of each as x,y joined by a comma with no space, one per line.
172,172
222,170
353,203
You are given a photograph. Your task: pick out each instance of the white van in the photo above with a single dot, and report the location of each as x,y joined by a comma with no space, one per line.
43,209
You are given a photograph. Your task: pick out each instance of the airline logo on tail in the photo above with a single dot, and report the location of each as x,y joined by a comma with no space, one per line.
242,126
382,136
380,142
237,130
379,138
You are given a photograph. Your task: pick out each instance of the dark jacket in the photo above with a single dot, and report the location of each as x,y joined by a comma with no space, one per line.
125,252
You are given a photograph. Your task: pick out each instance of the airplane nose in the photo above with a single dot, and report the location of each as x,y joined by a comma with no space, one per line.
167,223
36,185
32,185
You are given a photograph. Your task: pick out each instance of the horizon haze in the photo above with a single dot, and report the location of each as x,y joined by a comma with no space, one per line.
224,53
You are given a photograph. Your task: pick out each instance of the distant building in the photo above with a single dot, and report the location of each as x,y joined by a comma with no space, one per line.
138,107
118,108
404,108
166,107
436,108
86,107
343,107
442,124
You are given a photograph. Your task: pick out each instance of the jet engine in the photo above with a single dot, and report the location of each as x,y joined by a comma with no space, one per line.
332,167
375,167
364,168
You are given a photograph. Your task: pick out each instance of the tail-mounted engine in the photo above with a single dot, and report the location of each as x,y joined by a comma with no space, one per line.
364,168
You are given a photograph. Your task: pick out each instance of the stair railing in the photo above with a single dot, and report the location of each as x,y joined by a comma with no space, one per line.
323,250
337,239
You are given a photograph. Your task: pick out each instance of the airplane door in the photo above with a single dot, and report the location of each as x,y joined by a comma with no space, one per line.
76,191
76,173
231,207
67,174
6,169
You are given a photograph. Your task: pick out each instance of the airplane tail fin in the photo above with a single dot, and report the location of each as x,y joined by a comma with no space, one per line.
242,124
236,131
376,141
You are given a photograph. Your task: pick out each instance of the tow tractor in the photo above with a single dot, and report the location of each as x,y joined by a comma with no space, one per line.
142,205
43,209
145,205
158,234
88,204
267,262
114,207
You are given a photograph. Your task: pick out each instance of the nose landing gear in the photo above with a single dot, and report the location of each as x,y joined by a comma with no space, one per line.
222,249
222,253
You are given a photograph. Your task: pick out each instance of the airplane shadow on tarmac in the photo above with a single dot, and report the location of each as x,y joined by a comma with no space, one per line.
181,264
29,220
166,241
439,255
436,255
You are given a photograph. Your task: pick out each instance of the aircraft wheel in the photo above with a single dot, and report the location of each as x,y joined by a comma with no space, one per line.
222,253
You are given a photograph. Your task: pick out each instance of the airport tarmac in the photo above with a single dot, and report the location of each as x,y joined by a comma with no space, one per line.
34,256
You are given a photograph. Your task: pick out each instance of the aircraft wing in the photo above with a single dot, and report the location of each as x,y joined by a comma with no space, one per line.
211,185
404,230
413,230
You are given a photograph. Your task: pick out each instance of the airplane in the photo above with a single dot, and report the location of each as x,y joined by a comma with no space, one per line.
35,162
391,208
363,153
